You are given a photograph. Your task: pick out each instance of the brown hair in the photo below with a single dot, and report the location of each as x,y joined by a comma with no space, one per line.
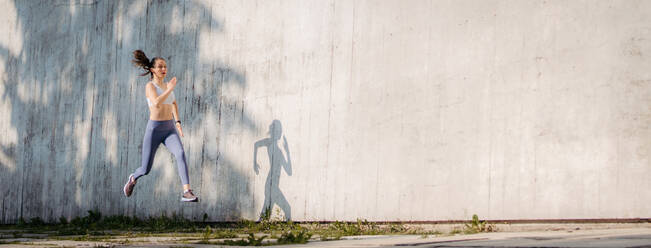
141,60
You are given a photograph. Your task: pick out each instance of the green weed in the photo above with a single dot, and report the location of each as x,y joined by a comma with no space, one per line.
207,232
251,240
477,226
63,220
294,237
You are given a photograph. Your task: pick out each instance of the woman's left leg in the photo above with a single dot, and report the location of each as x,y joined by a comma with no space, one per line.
174,145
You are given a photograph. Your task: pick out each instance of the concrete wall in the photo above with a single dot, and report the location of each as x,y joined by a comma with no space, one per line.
390,110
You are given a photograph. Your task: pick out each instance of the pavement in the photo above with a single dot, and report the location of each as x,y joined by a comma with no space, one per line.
549,235
639,237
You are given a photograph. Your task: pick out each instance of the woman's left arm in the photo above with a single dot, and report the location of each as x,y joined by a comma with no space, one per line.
175,113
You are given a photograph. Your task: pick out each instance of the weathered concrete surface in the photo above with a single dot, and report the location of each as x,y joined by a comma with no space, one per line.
390,110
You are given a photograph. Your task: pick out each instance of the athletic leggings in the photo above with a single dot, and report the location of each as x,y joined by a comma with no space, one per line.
162,132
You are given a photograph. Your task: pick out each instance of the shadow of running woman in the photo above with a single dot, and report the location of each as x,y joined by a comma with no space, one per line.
272,193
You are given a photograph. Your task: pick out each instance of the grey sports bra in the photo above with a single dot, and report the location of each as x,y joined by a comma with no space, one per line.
170,99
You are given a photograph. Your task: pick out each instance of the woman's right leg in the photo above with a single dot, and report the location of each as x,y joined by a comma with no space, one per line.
150,144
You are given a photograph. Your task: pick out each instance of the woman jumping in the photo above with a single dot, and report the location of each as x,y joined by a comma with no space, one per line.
160,128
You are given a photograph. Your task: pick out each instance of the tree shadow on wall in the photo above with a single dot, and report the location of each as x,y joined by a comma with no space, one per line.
77,108
277,160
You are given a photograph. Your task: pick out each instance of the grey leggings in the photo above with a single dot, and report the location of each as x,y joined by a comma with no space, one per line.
162,132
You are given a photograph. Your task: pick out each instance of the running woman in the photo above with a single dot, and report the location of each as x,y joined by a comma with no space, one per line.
161,128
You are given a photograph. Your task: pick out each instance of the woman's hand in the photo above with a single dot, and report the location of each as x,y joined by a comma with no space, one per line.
172,83
178,126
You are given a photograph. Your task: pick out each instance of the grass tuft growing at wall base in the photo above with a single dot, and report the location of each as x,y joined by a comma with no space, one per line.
267,231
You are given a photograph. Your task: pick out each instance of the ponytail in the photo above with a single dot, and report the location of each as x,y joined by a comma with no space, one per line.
141,60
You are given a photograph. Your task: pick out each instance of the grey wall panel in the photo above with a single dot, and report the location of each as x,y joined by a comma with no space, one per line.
378,110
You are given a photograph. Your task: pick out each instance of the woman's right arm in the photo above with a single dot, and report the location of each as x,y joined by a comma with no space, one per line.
153,96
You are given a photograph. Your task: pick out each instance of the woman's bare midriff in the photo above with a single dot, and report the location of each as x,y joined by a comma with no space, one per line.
161,113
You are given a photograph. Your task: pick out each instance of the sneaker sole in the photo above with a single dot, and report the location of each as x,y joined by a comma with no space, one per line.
189,200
